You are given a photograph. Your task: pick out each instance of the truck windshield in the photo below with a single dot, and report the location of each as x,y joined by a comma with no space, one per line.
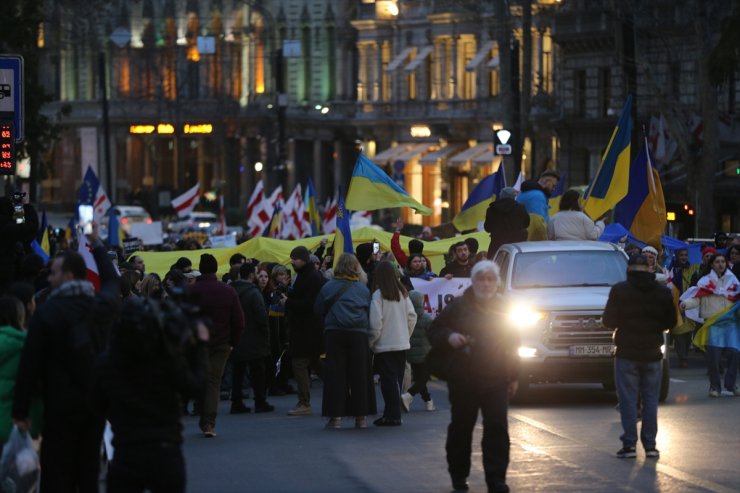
567,269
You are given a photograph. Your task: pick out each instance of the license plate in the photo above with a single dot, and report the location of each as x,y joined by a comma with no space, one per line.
591,350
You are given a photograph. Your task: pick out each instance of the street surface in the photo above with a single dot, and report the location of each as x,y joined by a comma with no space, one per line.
563,442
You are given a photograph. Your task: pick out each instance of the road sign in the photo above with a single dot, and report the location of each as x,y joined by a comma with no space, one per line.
11,92
503,149
120,37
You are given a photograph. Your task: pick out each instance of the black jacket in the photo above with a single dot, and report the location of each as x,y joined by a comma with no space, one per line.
457,269
305,326
639,309
255,340
15,240
507,222
65,336
492,357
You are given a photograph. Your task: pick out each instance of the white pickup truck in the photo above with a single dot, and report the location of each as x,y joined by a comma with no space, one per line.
557,291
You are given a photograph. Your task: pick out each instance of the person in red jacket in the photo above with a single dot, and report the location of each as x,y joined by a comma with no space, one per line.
219,304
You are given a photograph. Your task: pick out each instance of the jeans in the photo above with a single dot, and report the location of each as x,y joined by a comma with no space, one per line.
391,366
302,376
493,403
217,357
257,377
638,379
420,377
713,354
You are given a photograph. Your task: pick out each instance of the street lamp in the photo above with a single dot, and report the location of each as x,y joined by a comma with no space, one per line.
501,143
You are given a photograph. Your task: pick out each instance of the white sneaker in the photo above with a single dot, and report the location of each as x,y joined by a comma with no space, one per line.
406,400
714,393
430,405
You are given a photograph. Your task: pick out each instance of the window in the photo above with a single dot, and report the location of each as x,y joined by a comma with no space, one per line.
494,81
306,54
580,93
568,269
467,88
605,92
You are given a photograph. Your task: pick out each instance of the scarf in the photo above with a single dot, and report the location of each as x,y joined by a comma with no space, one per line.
347,277
78,287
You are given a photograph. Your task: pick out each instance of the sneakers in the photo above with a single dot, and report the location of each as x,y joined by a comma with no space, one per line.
239,408
429,405
652,453
300,410
459,484
406,400
334,424
361,422
263,407
209,432
498,487
714,393
627,453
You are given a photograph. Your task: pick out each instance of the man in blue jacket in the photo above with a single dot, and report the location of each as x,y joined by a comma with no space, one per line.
535,194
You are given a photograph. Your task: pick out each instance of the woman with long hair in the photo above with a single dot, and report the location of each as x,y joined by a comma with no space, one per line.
571,223
348,383
417,266
151,287
392,320
716,294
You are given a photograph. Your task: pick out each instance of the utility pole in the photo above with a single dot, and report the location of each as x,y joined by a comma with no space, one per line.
282,106
106,126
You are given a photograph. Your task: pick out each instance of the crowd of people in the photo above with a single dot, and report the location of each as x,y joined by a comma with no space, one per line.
141,348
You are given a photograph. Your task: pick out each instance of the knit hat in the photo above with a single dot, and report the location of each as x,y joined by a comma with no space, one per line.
363,252
208,264
301,253
649,249
708,249
507,193
416,246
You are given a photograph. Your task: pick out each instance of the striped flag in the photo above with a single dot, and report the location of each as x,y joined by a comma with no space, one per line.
329,221
85,249
258,214
91,193
185,203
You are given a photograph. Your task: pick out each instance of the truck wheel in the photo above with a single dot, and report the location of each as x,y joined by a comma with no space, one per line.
665,381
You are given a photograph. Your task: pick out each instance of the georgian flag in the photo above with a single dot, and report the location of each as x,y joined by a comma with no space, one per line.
92,193
185,203
329,221
258,214
85,250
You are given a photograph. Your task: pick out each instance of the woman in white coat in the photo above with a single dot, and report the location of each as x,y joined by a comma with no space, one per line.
392,320
571,223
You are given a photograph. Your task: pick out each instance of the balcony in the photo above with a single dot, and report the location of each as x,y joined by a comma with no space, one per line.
486,108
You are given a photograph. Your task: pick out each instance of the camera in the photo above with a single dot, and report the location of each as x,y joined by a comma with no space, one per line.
18,214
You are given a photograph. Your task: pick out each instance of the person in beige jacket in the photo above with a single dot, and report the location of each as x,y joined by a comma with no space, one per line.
392,320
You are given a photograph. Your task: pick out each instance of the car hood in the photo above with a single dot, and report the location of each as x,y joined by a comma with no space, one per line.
562,299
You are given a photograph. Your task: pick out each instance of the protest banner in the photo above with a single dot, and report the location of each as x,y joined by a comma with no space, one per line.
439,291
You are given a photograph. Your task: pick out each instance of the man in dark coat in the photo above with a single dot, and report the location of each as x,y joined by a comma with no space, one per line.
254,345
506,220
461,265
219,304
482,360
639,310
305,327
65,335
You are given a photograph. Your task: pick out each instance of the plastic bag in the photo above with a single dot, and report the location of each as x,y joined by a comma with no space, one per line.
19,465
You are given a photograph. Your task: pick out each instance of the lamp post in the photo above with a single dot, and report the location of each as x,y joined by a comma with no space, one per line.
501,143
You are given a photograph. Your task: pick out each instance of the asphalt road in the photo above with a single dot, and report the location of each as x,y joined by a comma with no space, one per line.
563,441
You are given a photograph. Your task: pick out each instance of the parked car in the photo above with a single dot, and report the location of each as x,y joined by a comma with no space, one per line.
557,292
206,222
128,215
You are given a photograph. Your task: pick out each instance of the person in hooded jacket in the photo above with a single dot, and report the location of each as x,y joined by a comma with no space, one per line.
535,194
639,310
305,326
506,220
254,345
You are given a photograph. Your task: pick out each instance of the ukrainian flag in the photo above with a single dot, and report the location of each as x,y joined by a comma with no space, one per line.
474,209
343,234
273,227
611,182
642,211
554,201
115,233
371,189
309,201
721,330
41,246
70,232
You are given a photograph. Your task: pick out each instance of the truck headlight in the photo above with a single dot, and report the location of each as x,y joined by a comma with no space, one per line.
524,316
527,352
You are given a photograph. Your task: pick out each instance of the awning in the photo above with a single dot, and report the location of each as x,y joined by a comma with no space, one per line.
495,61
482,53
400,58
391,154
443,153
416,151
486,159
423,53
468,154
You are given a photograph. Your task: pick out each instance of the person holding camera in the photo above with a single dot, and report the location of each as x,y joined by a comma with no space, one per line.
481,358
157,358
19,224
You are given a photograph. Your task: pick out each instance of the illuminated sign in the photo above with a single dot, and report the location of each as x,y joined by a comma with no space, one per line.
165,128
421,131
670,216
7,149
141,129
203,128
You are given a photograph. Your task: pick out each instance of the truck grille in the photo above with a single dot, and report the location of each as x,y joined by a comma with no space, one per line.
572,328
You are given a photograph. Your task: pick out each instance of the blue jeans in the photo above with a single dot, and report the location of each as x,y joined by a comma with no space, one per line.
713,354
638,379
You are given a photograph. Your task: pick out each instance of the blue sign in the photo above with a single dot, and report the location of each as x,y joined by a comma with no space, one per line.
11,93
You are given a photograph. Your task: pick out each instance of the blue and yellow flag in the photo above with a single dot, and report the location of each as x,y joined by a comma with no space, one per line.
611,182
554,201
474,209
70,232
371,189
309,202
642,211
721,330
115,233
343,234
273,227
40,245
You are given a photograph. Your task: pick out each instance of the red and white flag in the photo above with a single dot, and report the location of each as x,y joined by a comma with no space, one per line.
276,198
329,221
258,214
185,203
85,249
294,224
